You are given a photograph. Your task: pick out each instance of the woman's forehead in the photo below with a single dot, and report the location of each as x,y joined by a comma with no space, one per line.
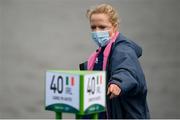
99,17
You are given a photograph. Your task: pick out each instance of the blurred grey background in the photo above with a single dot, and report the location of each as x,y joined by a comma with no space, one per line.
37,35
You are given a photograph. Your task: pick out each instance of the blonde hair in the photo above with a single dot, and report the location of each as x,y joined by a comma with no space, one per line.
105,9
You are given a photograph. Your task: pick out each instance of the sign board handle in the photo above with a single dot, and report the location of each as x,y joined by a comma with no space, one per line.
58,115
79,116
93,116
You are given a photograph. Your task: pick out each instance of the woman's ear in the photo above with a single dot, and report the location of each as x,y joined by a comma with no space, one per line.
115,27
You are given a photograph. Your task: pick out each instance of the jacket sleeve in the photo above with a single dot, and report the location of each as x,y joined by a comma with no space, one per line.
124,67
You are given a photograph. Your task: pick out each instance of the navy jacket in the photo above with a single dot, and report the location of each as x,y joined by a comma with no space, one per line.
124,70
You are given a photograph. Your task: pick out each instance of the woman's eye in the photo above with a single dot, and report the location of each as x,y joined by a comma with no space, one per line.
102,27
93,27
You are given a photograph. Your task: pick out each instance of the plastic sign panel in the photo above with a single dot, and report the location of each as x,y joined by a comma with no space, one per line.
60,92
79,92
94,92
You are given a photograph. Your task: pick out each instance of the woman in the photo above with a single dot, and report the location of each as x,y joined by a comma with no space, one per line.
118,56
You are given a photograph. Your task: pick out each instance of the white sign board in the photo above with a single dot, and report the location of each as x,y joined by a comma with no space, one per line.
80,92
62,91
94,94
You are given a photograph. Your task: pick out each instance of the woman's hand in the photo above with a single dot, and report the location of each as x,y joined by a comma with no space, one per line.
113,90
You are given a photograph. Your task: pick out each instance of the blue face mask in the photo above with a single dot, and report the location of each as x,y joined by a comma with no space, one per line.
101,38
